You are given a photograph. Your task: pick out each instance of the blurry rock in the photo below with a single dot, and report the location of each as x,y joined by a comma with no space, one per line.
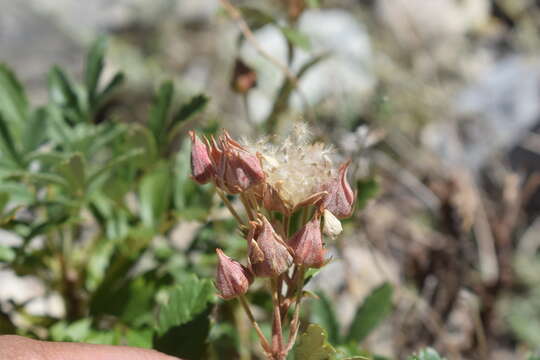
30,43
31,291
84,19
348,70
419,22
494,114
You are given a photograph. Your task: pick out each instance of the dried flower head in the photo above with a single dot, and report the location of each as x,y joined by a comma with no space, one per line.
307,244
236,168
268,254
202,169
340,198
232,278
297,169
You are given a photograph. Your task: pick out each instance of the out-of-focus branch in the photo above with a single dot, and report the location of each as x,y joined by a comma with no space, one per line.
236,15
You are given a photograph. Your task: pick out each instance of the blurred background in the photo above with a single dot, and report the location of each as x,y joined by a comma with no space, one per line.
436,101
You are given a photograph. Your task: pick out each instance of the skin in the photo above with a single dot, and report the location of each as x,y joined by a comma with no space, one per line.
19,348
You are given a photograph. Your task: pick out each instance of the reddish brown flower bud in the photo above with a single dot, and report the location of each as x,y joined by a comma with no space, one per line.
201,165
273,201
232,278
244,78
307,244
340,198
268,255
236,169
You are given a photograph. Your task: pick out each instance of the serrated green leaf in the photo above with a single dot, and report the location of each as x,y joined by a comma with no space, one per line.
154,193
186,301
323,314
373,310
297,38
312,345
426,354
187,341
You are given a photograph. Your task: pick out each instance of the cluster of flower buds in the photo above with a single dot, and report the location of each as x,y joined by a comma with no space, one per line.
234,169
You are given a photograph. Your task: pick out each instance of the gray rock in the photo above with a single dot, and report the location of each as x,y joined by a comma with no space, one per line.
494,113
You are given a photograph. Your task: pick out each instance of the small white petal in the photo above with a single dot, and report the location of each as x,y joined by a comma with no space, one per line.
331,224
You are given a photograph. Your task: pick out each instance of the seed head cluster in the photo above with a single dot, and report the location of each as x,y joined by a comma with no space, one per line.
294,176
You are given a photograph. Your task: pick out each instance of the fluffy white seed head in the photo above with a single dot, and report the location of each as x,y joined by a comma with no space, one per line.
296,167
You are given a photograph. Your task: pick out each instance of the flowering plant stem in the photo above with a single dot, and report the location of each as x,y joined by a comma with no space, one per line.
278,248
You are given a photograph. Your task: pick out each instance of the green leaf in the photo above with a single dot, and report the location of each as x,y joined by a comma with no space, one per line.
183,323
94,67
323,313
139,338
426,354
7,254
73,170
256,18
313,3
4,199
312,345
140,137
154,193
296,38
62,91
76,331
373,310
187,341
35,131
160,110
140,300
7,145
116,81
188,110
113,163
13,102
310,273
186,301
367,189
